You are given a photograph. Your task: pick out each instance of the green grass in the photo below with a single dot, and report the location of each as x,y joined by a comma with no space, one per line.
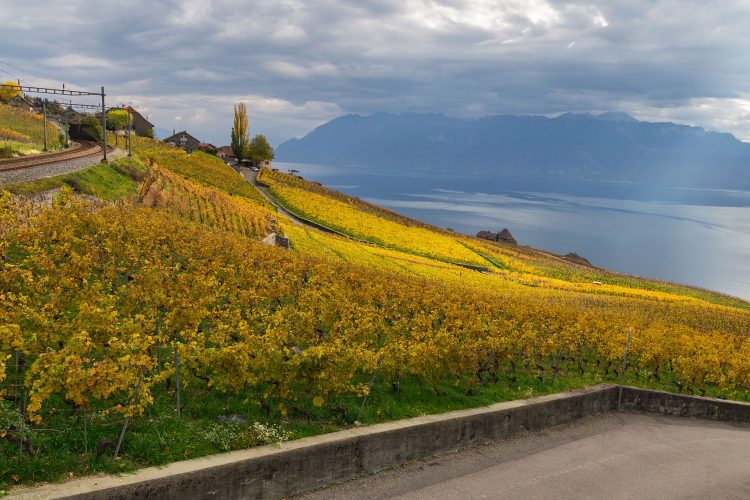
65,448
30,126
67,441
108,182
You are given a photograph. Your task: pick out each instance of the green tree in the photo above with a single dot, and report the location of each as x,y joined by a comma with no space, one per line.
240,137
117,119
6,94
259,150
91,127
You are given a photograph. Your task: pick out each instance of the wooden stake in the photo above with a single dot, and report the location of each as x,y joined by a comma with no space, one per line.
624,367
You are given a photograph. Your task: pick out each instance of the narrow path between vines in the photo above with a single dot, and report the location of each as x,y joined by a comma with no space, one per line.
251,177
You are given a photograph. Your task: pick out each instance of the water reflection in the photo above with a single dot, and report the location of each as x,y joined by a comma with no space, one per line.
700,237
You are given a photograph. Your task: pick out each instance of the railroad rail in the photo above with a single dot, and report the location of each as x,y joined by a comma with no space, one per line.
83,149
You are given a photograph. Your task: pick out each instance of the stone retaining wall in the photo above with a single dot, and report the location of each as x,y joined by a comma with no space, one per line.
682,405
311,463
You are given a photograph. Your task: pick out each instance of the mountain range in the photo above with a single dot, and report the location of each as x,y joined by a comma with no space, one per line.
611,146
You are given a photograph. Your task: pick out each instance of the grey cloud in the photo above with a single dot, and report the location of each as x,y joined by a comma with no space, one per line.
682,60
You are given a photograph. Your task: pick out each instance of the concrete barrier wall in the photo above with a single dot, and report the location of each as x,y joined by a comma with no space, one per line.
682,405
311,463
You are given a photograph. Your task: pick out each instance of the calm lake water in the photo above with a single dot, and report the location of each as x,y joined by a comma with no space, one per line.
695,236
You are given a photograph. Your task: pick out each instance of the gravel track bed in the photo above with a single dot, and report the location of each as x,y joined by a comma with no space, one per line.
64,167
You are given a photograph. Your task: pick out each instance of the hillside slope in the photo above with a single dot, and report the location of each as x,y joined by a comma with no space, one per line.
23,132
164,310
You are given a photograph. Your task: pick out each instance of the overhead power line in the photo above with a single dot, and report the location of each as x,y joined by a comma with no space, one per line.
23,74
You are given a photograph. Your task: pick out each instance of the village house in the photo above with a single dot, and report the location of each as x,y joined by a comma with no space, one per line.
141,126
183,140
20,102
226,154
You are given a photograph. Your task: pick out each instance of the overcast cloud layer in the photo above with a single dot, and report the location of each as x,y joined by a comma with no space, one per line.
298,64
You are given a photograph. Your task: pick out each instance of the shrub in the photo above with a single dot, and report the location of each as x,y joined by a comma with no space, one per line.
12,135
131,168
91,128
74,184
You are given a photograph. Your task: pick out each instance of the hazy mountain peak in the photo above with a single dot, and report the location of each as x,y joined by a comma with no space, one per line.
616,116
574,116
572,146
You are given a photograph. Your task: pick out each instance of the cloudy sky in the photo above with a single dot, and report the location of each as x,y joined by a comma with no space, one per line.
297,64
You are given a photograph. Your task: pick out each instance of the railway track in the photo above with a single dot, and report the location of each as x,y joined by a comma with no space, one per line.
83,149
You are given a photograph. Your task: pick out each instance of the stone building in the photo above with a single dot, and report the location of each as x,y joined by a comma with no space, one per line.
226,154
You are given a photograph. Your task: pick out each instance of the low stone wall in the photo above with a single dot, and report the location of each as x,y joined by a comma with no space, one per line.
311,463
682,405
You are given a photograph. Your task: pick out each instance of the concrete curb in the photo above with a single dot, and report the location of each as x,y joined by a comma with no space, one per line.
314,462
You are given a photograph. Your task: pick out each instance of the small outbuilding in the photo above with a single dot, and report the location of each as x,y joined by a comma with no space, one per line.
276,240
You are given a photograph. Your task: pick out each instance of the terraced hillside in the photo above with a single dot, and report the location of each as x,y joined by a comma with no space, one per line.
162,310
23,132
384,228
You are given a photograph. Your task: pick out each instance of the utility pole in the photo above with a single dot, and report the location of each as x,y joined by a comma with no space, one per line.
130,125
44,122
66,92
104,127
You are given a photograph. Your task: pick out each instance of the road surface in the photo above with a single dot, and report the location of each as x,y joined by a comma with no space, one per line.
612,456
250,176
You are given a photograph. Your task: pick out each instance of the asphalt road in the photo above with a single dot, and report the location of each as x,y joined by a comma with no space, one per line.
612,456
250,176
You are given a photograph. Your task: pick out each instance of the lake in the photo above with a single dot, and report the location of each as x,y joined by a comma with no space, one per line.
699,237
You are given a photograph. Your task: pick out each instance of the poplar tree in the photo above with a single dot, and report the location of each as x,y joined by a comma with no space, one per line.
240,137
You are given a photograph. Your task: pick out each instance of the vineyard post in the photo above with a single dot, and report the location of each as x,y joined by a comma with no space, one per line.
23,422
369,387
104,127
490,360
557,365
125,423
44,123
18,374
85,429
85,434
624,367
177,376
130,125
